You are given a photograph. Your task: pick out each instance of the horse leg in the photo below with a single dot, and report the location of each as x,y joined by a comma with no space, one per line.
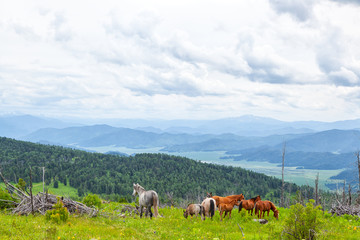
146,211
141,211
151,214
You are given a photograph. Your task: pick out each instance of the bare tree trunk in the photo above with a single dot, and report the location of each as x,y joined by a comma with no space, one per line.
31,195
349,200
282,199
343,194
317,190
43,179
357,154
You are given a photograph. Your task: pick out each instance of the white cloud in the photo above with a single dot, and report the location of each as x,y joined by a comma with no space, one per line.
299,9
285,59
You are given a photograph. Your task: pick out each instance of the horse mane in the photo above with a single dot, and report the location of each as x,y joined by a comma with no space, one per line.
272,206
141,187
254,198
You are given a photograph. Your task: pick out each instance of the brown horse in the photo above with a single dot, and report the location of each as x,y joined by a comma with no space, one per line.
265,206
226,199
227,208
249,204
194,209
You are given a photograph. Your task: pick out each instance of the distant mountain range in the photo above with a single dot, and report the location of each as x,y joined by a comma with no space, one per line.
179,139
310,145
18,126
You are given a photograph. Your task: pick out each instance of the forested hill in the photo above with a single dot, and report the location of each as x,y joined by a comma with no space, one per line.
110,174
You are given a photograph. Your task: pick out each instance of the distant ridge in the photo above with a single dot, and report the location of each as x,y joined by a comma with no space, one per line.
247,125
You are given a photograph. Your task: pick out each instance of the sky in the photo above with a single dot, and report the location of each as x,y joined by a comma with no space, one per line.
290,60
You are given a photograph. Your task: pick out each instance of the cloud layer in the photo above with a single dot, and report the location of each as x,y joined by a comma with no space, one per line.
290,60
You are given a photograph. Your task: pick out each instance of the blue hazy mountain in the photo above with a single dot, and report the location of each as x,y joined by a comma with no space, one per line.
17,126
248,125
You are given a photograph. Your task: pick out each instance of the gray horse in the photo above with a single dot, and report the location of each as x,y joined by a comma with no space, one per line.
146,199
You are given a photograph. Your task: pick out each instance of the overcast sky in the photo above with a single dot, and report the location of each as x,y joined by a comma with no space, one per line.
285,59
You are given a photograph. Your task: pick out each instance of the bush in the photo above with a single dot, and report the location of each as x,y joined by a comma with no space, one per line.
58,214
303,222
21,184
122,200
4,195
92,200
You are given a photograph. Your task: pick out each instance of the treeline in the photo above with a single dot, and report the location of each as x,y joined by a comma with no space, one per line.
174,176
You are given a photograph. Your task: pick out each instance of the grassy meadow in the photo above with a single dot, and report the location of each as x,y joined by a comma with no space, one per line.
110,224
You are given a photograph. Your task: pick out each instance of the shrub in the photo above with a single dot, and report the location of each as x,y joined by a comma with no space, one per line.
92,200
4,195
303,222
122,200
21,184
58,214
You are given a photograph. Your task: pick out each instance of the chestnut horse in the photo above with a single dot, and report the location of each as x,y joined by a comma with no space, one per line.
194,209
227,208
226,199
249,204
265,206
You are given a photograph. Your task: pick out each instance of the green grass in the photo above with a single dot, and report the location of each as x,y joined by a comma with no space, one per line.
172,225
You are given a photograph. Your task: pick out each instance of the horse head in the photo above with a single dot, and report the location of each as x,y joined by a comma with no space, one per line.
257,198
276,214
135,187
209,195
241,197
186,213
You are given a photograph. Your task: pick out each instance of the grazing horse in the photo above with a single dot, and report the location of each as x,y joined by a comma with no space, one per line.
194,209
209,205
226,199
146,199
249,204
227,208
265,206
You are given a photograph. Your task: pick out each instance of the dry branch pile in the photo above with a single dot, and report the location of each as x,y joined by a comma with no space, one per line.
43,202
26,203
341,209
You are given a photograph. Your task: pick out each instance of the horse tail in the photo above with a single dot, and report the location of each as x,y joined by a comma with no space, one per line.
212,208
256,209
155,204
240,205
